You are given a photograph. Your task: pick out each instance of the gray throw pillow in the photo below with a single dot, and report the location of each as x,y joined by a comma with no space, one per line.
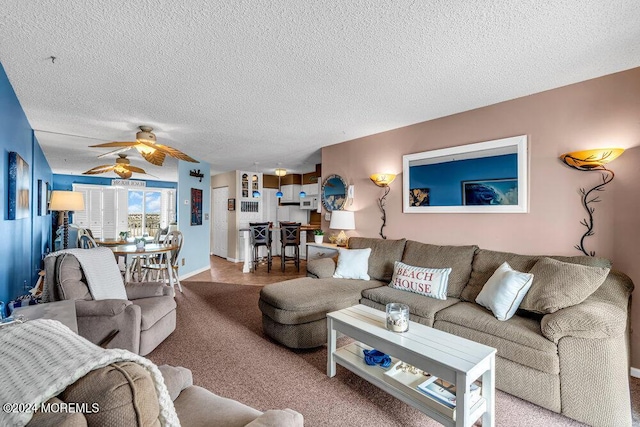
558,284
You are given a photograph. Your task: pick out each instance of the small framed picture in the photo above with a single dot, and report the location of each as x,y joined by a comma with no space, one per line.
231,204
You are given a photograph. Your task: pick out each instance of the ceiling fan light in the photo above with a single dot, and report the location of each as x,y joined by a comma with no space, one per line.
143,149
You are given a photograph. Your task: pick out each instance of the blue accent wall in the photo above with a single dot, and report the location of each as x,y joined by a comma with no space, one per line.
65,182
444,180
196,244
23,240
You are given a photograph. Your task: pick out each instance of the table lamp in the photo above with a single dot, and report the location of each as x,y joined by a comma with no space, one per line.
65,201
342,220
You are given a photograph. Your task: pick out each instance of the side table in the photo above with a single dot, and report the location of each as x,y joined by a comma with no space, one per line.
62,311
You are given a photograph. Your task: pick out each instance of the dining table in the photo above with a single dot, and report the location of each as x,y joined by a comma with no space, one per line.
131,252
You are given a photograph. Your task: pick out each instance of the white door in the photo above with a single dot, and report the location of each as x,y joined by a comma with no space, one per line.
220,224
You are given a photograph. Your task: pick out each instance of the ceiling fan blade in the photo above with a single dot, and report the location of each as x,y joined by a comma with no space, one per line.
134,169
156,157
99,169
116,144
175,153
119,150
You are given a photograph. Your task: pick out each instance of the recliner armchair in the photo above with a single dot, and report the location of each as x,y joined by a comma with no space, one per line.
142,321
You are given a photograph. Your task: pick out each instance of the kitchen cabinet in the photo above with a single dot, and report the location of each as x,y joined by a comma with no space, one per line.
290,193
310,189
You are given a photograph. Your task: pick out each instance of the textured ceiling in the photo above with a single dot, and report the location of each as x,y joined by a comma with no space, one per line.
272,81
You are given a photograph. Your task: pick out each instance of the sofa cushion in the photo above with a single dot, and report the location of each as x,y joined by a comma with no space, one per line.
322,267
485,262
383,254
504,291
70,281
124,392
519,339
430,282
352,264
424,308
307,299
153,309
558,284
458,258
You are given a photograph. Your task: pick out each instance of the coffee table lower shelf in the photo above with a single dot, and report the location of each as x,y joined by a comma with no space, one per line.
351,357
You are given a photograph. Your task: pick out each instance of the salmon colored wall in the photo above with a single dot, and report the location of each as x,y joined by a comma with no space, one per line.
603,112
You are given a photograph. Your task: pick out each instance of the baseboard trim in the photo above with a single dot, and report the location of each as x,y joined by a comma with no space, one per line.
634,372
193,273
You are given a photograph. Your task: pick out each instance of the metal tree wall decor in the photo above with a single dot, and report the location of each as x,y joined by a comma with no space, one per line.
383,180
588,161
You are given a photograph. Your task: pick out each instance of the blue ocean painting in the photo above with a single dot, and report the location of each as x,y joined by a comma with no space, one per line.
490,192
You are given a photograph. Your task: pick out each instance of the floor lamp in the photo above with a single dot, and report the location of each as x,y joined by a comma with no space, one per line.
65,201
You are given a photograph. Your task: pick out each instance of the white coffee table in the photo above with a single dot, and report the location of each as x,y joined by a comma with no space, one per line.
454,359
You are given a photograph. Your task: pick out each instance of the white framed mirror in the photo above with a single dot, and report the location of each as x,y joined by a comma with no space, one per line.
485,177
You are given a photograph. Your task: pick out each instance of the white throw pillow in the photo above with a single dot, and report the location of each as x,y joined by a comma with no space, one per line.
504,291
431,282
353,264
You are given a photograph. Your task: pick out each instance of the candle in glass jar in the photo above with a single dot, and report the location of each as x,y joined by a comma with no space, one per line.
397,317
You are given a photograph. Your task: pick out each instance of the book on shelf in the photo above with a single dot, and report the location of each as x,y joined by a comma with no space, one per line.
445,392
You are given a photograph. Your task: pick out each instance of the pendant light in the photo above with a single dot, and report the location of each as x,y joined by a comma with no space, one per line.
280,172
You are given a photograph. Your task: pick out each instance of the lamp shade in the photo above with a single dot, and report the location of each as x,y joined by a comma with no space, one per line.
281,172
382,179
66,201
588,159
342,220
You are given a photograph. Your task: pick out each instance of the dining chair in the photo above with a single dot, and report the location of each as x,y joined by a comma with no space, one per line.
260,236
157,266
290,237
86,242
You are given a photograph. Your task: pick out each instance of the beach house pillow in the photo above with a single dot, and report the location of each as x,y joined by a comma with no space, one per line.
504,291
560,284
352,264
430,282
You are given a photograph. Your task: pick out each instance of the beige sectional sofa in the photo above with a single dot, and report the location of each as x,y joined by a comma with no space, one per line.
574,361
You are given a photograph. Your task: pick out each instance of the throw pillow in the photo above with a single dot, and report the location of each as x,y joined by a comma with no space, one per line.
561,284
352,264
431,282
504,291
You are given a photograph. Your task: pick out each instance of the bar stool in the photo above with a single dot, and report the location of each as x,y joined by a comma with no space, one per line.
290,237
260,236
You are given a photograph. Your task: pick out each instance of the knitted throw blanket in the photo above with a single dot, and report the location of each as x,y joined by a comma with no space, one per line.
40,358
101,271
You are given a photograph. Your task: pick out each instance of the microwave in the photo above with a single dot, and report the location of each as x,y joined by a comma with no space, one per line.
309,202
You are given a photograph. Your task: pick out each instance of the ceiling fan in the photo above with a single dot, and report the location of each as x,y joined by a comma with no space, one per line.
146,145
122,168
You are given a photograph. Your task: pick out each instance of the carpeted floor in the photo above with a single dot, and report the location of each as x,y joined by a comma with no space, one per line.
219,337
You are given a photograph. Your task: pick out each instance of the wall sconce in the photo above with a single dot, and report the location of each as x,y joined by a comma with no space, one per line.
591,160
196,173
383,180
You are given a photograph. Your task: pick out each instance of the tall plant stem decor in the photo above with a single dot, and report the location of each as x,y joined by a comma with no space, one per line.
589,161
383,180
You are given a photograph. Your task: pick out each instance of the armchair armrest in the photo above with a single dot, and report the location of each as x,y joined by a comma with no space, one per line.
321,268
593,318
137,290
278,418
105,307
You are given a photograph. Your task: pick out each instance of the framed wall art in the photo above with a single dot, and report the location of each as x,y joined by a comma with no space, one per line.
231,204
196,206
18,189
485,177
